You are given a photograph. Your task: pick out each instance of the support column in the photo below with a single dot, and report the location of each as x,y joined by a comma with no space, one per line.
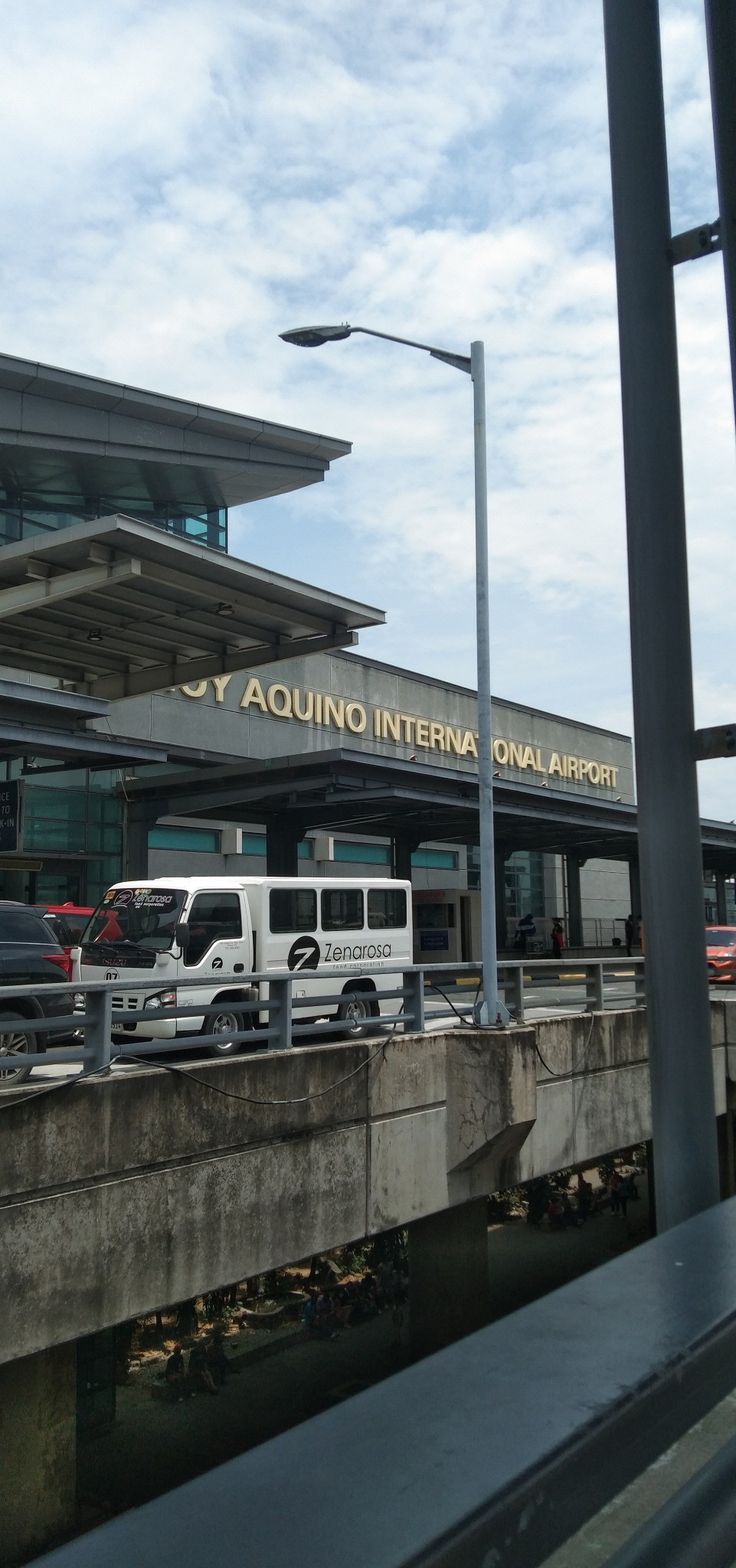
38,1412
634,892
449,1292
670,848
651,1189
403,846
500,856
282,848
720,24
139,817
574,901
726,1153
721,906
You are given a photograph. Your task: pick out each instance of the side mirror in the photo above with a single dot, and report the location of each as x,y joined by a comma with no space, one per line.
181,936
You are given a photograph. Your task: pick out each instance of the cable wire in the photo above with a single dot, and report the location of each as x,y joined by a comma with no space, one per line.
249,1099
31,1092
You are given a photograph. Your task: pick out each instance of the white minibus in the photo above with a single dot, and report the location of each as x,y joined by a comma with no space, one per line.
338,936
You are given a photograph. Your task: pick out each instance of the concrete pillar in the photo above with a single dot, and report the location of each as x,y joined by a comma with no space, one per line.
651,1189
139,817
282,848
501,855
403,846
38,1412
449,1293
721,906
574,901
726,1161
634,891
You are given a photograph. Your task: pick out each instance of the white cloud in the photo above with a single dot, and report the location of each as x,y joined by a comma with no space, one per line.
185,178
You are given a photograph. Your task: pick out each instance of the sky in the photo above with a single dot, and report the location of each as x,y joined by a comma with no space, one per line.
185,179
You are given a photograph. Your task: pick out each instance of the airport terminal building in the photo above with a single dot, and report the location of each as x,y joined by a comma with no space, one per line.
163,704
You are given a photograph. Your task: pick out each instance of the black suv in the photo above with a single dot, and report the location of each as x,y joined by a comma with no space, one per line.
30,954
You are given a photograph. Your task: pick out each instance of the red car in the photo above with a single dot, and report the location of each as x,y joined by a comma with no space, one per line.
720,948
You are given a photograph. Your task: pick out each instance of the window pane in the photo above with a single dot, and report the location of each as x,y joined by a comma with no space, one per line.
253,844
435,859
386,908
213,917
184,838
17,926
342,910
292,909
368,854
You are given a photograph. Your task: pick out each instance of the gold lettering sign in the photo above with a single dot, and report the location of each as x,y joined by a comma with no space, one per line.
400,729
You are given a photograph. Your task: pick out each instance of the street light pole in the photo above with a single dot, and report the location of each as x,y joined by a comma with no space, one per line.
489,1010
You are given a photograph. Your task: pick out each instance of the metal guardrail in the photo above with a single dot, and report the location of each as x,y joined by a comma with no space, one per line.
422,993
493,1451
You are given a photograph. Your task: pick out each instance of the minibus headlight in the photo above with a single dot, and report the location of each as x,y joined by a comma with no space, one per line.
160,999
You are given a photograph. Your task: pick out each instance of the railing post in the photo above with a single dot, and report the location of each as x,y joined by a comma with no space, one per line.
513,989
414,1002
640,985
594,988
97,1030
280,991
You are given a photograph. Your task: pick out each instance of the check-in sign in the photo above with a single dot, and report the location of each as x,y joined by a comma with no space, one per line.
11,800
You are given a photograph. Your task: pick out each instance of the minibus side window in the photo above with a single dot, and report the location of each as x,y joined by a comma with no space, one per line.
292,909
212,917
342,909
386,909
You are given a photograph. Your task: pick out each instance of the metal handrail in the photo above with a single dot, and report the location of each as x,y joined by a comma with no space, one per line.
423,992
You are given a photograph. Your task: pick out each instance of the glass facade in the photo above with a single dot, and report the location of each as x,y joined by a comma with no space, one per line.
24,515
74,823
523,881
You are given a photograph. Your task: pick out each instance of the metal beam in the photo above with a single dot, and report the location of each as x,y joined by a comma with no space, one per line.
720,25
719,741
670,857
32,741
47,590
180,673
262,610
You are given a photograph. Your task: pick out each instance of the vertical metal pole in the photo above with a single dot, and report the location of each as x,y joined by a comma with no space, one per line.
670,858
720,26
487,1009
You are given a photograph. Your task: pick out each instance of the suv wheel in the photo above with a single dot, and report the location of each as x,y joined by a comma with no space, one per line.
14,1045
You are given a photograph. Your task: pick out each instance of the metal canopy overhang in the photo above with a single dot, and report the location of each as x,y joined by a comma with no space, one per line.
62,433
43,724
360,792
117,608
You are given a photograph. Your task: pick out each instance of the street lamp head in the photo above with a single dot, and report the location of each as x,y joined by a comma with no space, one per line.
314,337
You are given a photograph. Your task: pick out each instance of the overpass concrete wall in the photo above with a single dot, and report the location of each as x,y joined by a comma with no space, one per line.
124,1194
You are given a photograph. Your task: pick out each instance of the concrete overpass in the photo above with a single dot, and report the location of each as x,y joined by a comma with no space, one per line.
123,1194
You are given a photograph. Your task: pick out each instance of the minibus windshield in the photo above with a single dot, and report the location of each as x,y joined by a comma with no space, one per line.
142,917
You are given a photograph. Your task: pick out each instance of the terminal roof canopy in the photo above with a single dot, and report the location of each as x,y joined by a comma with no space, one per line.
117,608
358,792
67,434
45,725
